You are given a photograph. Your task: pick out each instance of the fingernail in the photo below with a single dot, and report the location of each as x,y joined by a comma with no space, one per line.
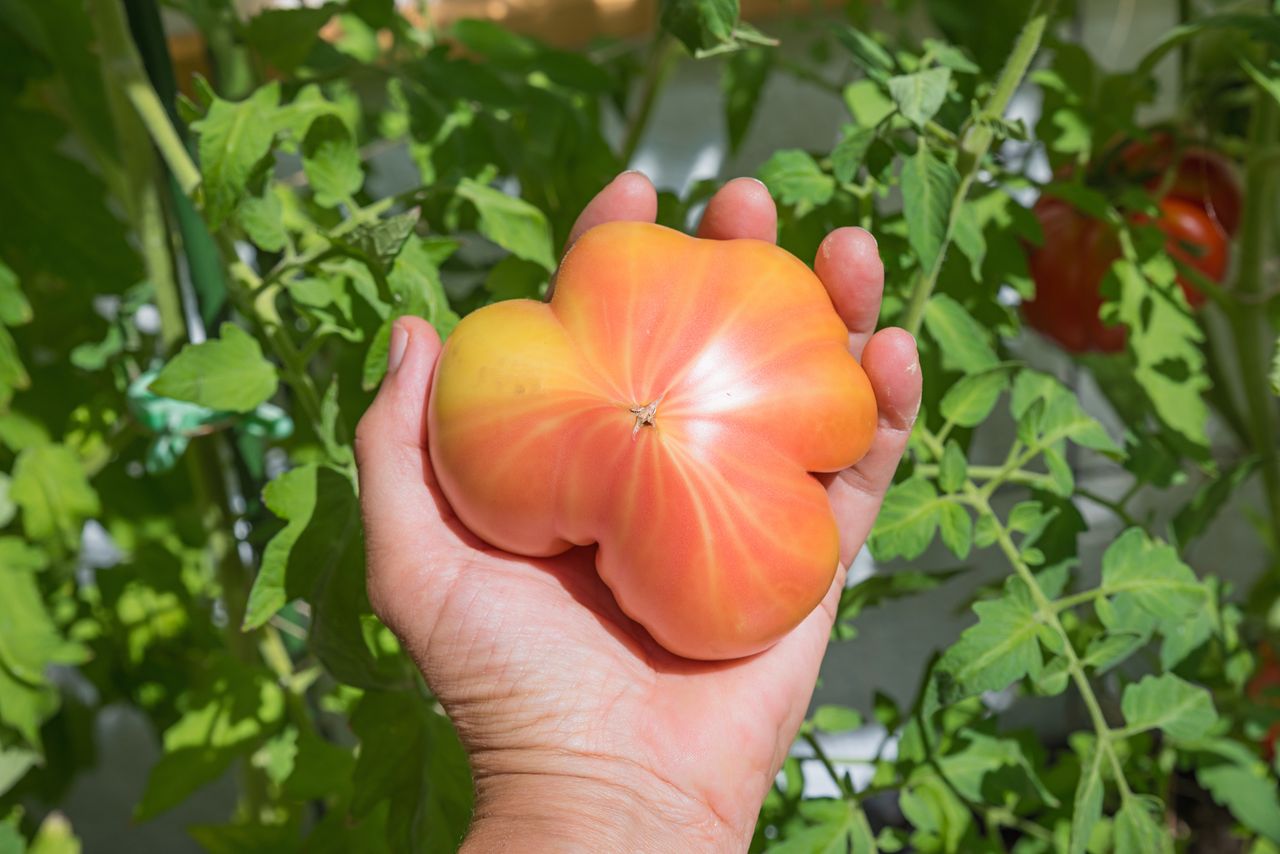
395,353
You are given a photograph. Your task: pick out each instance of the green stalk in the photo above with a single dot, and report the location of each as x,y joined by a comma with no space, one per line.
141,190
975,142
1251,336
662,59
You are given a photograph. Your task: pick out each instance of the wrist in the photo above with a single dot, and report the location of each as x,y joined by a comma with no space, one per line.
607,807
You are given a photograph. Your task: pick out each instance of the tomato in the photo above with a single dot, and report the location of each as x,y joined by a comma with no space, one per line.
668,405
1264,688
1203,177
1078,250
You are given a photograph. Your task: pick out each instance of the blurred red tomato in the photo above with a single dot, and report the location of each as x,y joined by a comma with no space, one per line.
1264,688
1077,252
1203,176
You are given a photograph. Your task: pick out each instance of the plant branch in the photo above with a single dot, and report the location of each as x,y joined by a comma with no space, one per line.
975,142
662,59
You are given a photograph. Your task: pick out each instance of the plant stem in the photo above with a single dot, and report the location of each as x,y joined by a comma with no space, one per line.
974,145
1252,349
822,757
662,59
140,190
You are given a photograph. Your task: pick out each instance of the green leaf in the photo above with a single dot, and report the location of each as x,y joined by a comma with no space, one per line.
510,222
920,95
410,757
836,719
223,717
234,137
971,399
962,341
794,178
838,827
928,190
286,36
15,762
29,639
1169,703
1167,345
867,103
416,287
868,53
1250,794
700,25
742,81
1000,649
262,218
1136,830
966,234
983,755
55,836
14,308
908,520
331,161
847,156
50,488
1087,805
953,469
1108,650
956,528
1151,576
292,497
1197,514
378,244
228,373
938,817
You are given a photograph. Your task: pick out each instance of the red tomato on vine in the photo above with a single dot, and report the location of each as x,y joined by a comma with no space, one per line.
1199,211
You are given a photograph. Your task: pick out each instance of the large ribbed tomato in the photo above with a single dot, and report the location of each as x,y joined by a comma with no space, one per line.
668,404
1077,252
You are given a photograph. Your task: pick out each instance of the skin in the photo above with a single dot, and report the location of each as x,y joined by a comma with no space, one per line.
583,734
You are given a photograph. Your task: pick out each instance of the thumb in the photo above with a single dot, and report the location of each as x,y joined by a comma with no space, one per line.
400,502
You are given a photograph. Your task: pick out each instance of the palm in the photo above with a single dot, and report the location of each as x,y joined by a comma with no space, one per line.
534,657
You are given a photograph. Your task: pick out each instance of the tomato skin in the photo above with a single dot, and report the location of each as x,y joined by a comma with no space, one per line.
710,530
1264,687
1078,250
1203,176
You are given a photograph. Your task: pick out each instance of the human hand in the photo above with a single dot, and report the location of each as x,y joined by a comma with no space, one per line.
582,732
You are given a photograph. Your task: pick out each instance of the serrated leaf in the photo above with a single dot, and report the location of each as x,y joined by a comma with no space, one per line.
292,497
982,755
1250,795
234,137
51,489
962,341
1167,345
331,161
908,520
953,469
937,815
867,103
928,191
971,399
1087,804
378,244
920,95
966,234
228,373
847,156
1169,703
1151,575
794,178
262,218
867,52
1136,830
1000,649
1198,513
956,528
1108,650
510,222
30,640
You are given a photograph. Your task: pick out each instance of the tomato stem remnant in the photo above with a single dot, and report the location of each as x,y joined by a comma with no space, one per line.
644,416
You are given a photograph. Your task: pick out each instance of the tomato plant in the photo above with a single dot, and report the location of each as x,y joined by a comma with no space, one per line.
196,300
670,401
